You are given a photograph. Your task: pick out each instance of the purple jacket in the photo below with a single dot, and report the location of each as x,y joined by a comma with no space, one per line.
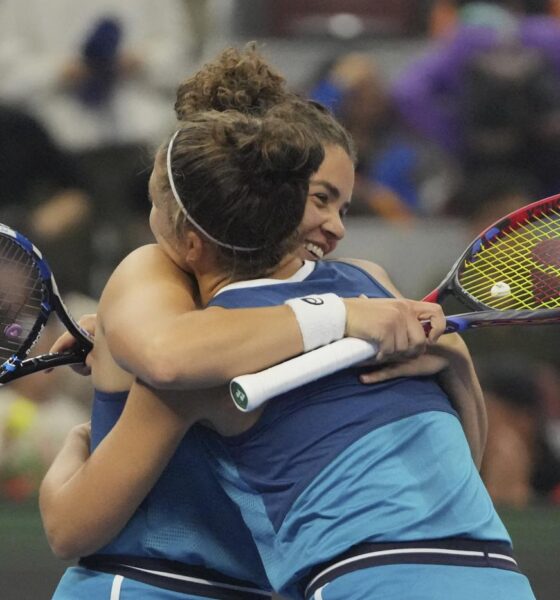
426,93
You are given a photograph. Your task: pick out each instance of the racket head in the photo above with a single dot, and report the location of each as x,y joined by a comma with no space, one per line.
26,298
514,264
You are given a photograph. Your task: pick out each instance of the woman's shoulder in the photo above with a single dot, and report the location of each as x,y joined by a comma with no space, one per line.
147,253
373,269
145,266
147,260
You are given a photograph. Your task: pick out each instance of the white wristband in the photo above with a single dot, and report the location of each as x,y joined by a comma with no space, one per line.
321,319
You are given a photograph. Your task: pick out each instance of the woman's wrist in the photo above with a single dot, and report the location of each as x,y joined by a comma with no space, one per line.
321,319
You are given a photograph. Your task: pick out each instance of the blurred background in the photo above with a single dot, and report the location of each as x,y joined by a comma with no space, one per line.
455,109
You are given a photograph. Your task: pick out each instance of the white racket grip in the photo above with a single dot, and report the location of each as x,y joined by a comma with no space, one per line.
251,391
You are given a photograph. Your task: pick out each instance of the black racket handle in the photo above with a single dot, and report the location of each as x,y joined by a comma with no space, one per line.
45,361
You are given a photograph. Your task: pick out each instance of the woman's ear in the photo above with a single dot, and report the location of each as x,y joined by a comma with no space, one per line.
193,249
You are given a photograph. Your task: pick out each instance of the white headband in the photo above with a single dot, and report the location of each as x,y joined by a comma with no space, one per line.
185,212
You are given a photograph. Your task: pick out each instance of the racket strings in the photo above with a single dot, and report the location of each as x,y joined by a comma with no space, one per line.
21,297
527,287
526,257
512,257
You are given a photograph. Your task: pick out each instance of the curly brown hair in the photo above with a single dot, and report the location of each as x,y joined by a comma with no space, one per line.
243,80
237,79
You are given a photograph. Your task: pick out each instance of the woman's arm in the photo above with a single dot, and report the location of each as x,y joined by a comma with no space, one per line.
177,346
86,500
153,329
460,382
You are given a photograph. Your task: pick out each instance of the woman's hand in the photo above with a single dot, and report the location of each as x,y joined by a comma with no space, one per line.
395,324
421,366
67,341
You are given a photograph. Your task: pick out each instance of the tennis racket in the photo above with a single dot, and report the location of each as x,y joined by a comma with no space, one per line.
509,275
28,295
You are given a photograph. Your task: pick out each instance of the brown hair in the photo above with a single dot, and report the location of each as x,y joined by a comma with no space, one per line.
317,118
242,80
235,80
244,181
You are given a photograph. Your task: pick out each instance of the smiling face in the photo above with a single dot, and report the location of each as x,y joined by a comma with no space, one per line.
330,191
322,226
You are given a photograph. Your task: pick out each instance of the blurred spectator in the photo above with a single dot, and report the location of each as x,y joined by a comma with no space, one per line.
518,467
442,14
399,175
541,7
101,76
199,15
99,73
36,414
42,195
485,196
489,92
489,193
551,409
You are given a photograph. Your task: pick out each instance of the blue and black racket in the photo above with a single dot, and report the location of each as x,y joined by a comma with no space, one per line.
28,295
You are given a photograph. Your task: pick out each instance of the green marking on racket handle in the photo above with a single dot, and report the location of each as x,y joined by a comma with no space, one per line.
238,395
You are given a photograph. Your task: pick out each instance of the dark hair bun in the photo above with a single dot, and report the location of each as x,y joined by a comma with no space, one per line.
273,161
269,149
244,180
239,80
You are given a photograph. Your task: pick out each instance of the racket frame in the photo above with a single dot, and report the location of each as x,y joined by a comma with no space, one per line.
18,364
451,283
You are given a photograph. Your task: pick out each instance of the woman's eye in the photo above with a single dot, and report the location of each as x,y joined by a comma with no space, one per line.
322,198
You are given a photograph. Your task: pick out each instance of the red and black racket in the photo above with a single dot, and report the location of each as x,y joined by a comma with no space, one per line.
509,275
512,265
